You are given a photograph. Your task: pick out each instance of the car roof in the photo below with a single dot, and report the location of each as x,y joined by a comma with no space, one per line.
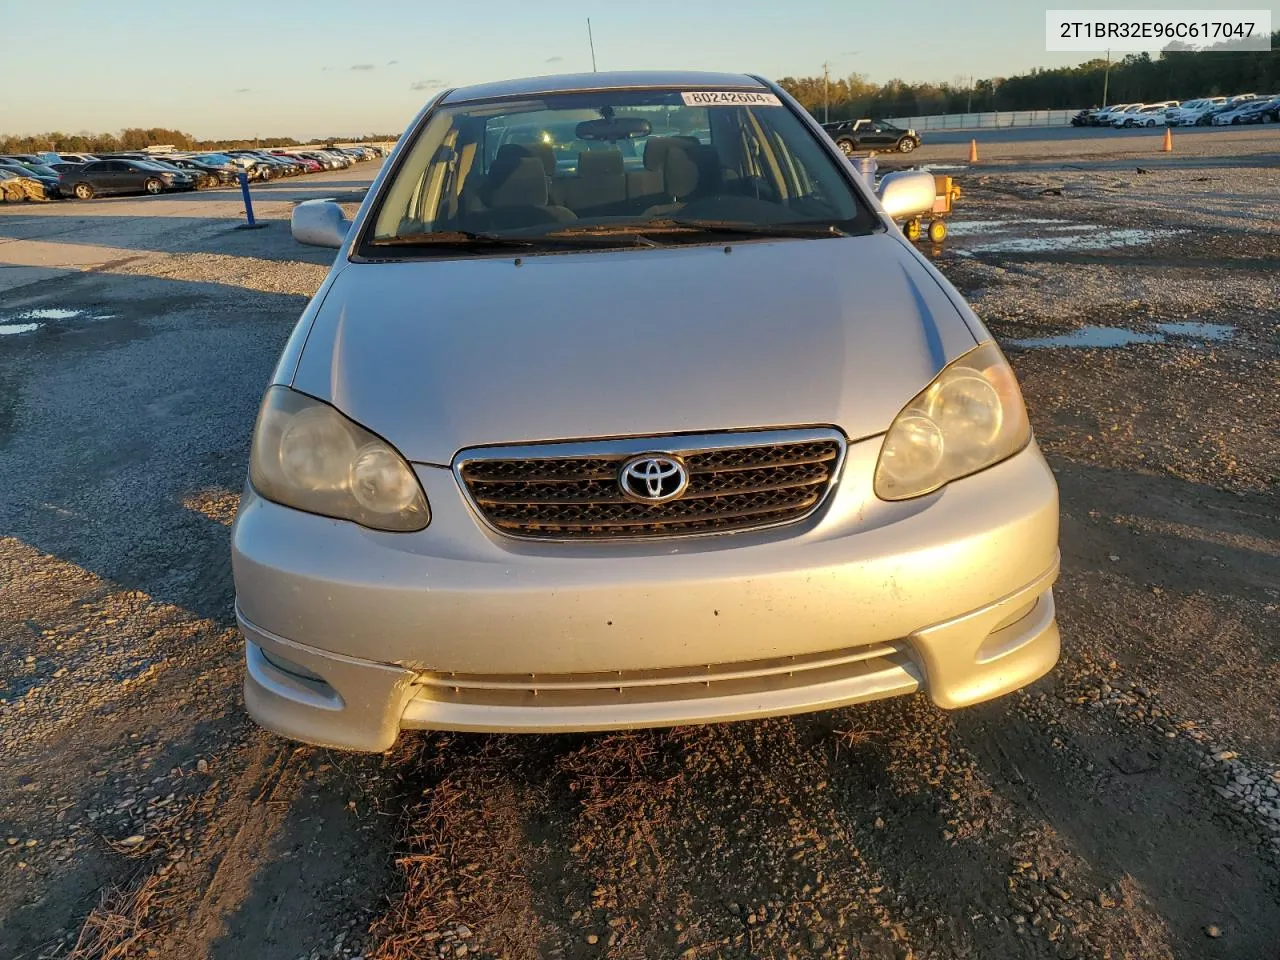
605,80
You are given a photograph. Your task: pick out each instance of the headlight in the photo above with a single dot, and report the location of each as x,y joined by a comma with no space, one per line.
309,456
969,418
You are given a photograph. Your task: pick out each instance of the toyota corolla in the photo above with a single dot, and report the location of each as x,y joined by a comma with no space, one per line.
663,423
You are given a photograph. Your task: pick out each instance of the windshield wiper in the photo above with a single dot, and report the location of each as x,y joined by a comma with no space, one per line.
493,241
738,228
451,238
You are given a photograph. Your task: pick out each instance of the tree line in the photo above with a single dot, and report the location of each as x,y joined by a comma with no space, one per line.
1170,75
137,138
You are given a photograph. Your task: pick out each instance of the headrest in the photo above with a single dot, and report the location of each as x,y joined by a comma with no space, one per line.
655,152
600,163
524,186
546,156
510,153
679,170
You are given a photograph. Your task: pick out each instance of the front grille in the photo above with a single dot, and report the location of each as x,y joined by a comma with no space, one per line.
571,491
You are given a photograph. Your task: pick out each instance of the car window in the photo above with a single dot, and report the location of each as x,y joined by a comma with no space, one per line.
613,162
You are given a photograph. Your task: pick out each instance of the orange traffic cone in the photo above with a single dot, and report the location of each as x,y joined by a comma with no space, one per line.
1168,141
973,151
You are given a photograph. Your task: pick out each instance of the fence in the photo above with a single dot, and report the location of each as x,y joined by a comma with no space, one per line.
987,121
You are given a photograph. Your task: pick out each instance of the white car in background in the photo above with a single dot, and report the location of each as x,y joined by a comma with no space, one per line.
1121,117
1107,114
1191,112
1151,115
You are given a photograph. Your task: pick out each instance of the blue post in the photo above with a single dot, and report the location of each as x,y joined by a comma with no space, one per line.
248,203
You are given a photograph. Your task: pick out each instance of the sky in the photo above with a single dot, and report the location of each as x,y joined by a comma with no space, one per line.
248,68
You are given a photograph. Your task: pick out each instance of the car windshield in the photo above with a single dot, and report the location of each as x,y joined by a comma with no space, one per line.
654,165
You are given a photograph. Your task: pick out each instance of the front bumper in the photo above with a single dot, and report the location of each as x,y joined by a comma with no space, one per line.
353,635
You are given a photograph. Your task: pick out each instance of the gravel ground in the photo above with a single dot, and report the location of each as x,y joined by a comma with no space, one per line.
1128,805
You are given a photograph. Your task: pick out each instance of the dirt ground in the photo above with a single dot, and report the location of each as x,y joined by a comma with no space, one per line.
1128,805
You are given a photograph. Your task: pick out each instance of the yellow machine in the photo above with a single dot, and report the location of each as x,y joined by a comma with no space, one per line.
946,193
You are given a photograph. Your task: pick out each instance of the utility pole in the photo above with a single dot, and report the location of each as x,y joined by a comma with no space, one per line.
969,108
1106,78
592,42
826,92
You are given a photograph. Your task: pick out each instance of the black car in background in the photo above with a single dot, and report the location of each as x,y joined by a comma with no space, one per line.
215,175
41,171
206,175
124,175
851,135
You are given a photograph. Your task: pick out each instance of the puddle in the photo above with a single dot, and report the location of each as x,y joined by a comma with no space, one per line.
1088,337
961,228
28,321
49,314
1198,331
1091,337
1042,235
1086,238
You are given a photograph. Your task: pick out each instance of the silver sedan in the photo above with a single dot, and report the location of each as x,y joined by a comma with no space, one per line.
626,404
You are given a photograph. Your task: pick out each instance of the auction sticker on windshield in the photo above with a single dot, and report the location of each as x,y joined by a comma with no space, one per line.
734,98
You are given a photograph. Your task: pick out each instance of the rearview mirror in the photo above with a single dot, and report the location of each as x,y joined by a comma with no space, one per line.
907,194
319,223
614,129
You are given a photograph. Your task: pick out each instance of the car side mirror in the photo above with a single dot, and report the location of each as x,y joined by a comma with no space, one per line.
908,193
319,223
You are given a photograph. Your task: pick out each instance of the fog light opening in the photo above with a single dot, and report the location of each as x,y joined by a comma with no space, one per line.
291,668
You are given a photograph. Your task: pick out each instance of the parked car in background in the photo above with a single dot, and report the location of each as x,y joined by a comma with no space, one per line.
29,157
77,157
212,175
1248,111
325,161
1119,117
1086,118
1104,116
853,135
220,160
1190,113
310,165
340,159
26,168
17,186
124,175
1207,118
270,166
253,166
1153,114
203,178
1269,112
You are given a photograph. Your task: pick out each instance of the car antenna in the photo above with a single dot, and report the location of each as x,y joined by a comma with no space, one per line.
592,43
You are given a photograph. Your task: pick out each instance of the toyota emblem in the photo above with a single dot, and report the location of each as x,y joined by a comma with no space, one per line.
653,478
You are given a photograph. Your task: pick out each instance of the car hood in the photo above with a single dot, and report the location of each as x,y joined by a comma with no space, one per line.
442,354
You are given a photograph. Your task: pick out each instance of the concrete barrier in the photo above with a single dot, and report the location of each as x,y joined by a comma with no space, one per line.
987,121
